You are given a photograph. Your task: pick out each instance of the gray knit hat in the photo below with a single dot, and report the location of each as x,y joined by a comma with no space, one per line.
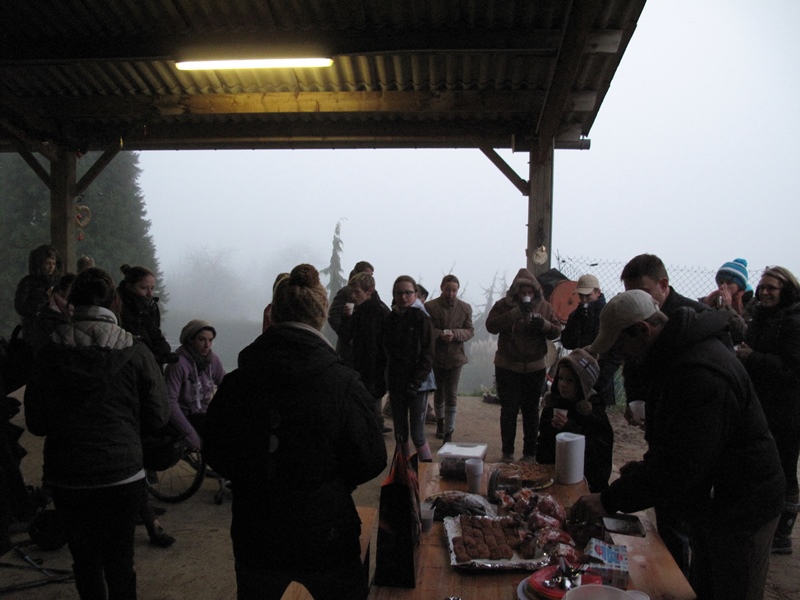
193,327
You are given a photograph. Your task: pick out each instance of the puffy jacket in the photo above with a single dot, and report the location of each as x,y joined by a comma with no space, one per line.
92,393
711,456
295,432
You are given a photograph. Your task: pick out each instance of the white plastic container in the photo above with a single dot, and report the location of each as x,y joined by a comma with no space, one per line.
452,458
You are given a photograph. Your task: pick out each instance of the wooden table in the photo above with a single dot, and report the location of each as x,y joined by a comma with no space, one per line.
652,568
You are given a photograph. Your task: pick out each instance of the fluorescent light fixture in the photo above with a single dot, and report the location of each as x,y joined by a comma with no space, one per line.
259,63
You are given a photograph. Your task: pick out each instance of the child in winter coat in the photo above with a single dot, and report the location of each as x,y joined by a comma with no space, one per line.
585,415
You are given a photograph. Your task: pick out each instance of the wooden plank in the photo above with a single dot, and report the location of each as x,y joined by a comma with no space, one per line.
652,568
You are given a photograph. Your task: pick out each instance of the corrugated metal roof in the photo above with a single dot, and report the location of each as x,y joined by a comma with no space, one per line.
424,73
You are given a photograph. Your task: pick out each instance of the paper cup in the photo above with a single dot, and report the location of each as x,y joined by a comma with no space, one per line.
474,466
637,409
474,482
560,411
349,307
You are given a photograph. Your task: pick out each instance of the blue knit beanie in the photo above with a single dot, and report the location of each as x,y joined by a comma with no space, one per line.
735,271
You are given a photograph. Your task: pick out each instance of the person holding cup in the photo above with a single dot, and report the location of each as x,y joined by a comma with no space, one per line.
572,405
524,321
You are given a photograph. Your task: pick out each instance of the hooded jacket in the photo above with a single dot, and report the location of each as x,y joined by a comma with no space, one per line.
711,456
92,393
295,432
522,345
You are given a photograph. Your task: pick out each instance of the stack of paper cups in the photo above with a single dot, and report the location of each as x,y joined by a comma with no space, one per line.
569,457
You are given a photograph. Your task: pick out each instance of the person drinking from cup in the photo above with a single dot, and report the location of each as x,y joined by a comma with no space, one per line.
524,321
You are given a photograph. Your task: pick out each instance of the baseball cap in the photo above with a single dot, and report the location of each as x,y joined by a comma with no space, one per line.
587,284
622,311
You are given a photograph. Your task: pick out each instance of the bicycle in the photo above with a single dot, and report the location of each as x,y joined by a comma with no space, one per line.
180,481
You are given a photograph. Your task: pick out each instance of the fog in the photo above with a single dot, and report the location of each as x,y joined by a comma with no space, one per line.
692,159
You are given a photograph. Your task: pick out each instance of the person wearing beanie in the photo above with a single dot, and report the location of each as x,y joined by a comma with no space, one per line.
524,321
192,381
711,460
294,431
771,355
585,414
407,339
733,294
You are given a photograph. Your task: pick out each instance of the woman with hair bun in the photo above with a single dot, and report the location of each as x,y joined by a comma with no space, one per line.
140,314
771,355
92,393
294,430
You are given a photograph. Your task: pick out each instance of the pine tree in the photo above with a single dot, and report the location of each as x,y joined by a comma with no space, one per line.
336,280
117,233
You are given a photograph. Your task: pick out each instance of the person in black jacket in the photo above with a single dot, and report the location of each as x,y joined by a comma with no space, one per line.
582,326
407,339
647,272
367,353
711,457
771,355
44,269
294,431
140,314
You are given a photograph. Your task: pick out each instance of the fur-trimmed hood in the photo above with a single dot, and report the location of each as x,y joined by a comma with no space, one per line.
525,277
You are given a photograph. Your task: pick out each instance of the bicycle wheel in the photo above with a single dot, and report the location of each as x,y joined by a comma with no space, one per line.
180,481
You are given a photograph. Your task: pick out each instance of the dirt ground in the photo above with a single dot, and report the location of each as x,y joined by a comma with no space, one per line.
200,564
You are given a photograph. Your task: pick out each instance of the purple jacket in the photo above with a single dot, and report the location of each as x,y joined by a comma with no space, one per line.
190,391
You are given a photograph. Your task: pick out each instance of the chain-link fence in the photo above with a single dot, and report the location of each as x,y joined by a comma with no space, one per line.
692,282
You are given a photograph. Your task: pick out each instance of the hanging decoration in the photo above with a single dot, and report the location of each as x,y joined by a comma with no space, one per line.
83,217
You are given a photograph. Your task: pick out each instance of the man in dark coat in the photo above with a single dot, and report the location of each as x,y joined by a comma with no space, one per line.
711,457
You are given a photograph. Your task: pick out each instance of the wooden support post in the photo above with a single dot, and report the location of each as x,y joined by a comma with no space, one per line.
62,206
540,207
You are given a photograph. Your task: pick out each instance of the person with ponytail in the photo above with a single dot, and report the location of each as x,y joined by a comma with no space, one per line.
294,431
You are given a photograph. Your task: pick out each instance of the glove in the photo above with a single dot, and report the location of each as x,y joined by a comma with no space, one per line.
537,323
526,307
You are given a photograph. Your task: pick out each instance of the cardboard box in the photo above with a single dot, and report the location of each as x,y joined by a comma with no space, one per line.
452,456
608,561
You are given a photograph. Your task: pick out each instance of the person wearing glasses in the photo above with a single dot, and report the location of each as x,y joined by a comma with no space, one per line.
524,321
408,341
771,355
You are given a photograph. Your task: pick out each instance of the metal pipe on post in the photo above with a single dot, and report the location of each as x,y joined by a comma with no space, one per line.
540,206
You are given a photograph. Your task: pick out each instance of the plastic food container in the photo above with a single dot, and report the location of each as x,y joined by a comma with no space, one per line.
452,458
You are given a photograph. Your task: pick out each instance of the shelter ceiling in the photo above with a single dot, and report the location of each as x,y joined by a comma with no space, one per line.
89,74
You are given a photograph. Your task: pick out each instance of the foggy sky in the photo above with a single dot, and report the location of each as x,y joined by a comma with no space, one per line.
693,158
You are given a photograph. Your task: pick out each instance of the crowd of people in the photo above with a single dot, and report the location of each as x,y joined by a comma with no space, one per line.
300,419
